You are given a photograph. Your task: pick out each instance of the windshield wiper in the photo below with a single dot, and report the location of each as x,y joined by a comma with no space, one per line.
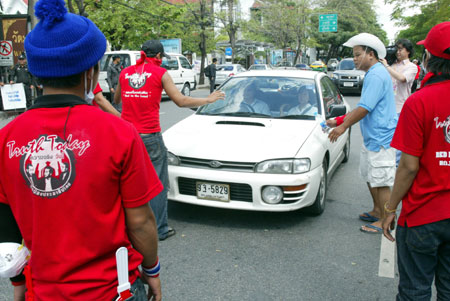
245,114
306,117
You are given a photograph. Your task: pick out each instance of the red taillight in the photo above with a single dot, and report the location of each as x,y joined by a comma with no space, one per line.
231,74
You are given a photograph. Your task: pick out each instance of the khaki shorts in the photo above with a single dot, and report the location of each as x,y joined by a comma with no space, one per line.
377,168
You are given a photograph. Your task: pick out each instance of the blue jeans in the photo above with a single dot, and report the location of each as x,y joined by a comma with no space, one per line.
423,254
138,291
157,151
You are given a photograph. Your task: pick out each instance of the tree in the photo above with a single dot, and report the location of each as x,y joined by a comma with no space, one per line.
231,22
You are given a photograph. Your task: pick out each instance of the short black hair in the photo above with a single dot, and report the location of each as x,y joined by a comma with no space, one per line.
115,57
214,60
407,45
439,65
63,82
368,49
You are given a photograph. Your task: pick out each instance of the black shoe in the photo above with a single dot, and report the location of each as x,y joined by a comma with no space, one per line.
170,233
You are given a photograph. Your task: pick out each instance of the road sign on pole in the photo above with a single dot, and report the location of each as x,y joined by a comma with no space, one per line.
229,51
328,23
6,54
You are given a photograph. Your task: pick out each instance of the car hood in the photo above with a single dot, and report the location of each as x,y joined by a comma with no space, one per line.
237,139
353,72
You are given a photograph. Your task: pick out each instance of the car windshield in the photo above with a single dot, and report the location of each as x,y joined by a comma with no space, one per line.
266,97
347,65
257,67
225,68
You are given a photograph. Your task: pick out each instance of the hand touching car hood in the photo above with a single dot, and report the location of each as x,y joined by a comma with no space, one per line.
237,139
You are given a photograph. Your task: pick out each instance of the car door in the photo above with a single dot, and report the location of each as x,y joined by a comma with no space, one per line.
187,72
330,96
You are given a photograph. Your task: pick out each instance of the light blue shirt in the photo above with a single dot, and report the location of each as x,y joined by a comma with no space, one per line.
260,107
377,97
306,110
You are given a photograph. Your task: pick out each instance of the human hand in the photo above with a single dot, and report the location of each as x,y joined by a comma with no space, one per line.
214,96
154,287
384,62
335,133
388,224
31,87
11,82
112,90
332,123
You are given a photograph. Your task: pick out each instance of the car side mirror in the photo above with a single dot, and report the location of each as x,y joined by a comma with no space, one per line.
336,110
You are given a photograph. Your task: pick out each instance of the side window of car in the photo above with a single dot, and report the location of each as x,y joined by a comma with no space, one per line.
171,64
327,94
334,91
185,63
125,60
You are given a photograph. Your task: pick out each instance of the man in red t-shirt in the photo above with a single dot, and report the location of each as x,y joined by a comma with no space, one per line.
140,88
422,180
87,191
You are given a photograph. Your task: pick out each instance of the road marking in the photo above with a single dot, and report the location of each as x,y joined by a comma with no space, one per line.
386,267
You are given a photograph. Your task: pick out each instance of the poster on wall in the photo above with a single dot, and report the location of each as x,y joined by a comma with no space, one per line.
13,97
15,30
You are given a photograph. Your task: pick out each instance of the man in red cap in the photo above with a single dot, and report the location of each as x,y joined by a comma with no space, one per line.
422,178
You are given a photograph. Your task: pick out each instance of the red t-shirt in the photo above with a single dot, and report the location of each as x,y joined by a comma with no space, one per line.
68,197
141,88
97,89
423,131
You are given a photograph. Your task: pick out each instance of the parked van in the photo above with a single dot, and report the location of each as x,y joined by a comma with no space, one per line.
178,66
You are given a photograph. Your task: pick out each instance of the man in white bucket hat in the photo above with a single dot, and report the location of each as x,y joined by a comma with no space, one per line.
376,111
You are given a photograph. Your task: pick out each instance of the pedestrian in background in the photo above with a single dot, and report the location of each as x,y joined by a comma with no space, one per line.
210,72
415,84
376,111
20,74
140,89
422,179
73,227
112,75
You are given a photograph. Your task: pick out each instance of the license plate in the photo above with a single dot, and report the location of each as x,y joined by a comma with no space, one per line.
347,84
213,191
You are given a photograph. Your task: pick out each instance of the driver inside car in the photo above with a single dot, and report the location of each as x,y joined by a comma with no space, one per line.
304,106
252,104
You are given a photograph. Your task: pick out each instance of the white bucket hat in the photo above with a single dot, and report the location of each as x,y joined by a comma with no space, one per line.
367,39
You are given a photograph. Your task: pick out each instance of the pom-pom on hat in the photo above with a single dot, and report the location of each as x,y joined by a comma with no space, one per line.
62,43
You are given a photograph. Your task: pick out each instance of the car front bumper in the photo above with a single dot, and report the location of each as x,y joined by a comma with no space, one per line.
245,188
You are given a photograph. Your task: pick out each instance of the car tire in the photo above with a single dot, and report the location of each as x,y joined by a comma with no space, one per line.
346,149
319,204
186,90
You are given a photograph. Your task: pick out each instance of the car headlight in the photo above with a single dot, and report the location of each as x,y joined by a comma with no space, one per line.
284,166
361,77
172,159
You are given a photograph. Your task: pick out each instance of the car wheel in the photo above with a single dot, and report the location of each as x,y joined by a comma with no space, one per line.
346,149
319,205
186,90
195,84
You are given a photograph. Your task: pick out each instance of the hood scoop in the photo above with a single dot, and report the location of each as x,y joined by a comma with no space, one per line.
241,123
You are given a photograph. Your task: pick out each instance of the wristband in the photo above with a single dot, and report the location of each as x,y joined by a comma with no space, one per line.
389,210
340,120
153,271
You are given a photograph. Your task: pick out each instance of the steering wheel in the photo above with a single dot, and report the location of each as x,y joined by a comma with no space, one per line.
248,108
283,109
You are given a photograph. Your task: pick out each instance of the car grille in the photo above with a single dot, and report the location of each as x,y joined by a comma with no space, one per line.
238,192
348,77
218,165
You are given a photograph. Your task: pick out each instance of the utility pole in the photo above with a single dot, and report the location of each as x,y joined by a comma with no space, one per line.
33,18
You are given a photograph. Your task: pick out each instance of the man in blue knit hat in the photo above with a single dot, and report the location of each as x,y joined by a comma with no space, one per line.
95,176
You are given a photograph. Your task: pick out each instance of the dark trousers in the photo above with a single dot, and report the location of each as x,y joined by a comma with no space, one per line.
28,95
212,84
423,254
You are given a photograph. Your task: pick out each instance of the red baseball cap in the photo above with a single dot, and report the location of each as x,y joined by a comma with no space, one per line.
438,40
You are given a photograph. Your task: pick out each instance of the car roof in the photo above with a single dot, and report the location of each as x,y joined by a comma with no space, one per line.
280,73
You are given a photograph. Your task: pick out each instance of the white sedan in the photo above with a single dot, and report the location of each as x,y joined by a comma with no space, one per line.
261,148
226,71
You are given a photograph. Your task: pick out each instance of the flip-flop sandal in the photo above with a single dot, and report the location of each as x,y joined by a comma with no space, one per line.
379,230
367,217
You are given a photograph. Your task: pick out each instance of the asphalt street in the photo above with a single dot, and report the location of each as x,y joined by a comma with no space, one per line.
221,254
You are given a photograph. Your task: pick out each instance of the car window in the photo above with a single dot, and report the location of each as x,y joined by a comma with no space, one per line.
185,63
330,94
346,65
107,60
170,64
264,97
225,67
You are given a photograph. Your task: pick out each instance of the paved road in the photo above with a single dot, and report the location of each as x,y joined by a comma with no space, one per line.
222,254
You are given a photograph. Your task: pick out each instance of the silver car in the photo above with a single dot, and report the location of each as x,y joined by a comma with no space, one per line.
226,71
347,78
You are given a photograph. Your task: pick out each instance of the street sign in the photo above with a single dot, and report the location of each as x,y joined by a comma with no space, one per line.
228,51
328,23
172,45
6,54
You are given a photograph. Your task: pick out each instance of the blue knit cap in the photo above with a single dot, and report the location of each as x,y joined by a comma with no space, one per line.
62,44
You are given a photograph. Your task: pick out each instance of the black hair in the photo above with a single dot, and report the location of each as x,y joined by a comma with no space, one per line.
63,82
368,49
214,60
115,57
439,65
407,45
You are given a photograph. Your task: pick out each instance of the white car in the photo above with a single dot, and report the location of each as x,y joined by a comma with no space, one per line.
230,155
260,67
226,71
178,66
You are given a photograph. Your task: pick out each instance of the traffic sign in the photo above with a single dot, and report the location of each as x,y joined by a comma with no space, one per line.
228,51
328,23
6,54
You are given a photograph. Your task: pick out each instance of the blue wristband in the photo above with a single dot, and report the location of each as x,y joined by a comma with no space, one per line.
154,271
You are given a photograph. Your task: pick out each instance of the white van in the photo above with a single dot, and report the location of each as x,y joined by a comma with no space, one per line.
178,66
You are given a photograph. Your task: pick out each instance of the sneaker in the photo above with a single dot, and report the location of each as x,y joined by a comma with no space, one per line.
170,233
